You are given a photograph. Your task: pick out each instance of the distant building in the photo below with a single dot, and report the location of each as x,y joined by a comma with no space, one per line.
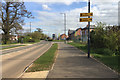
80,34
14,38
71,34
63,37
85,32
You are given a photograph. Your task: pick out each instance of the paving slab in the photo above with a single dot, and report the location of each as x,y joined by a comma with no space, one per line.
72,63
39,74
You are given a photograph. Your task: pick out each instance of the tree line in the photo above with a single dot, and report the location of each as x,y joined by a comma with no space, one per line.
33,36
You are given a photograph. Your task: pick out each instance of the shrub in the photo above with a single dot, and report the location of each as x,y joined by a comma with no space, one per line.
104,51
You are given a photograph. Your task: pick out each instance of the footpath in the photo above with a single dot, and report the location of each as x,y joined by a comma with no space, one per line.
72,63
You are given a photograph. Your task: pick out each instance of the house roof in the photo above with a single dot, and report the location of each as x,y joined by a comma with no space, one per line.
71,31
91,27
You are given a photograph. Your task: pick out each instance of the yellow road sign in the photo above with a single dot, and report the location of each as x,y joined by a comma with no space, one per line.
86,14
85,19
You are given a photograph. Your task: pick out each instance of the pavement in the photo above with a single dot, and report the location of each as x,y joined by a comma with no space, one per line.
39,74
73,64
14,63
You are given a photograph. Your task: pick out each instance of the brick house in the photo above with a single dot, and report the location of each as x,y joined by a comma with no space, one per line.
85,32
63,36
80,34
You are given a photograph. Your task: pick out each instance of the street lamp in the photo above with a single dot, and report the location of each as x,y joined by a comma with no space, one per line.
30,23
30,27
64,25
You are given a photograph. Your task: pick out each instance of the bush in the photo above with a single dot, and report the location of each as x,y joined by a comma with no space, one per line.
104,51
31,40
50,40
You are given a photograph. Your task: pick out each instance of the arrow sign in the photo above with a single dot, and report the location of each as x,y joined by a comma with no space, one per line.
86,14
85,19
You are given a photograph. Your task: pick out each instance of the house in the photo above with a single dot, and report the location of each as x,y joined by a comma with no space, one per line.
14,38
71,34
85,32
63,36
80,34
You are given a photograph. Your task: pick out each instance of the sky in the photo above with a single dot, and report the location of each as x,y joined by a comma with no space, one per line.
48,15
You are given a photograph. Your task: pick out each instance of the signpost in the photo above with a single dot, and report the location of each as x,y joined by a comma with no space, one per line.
85,19
86,14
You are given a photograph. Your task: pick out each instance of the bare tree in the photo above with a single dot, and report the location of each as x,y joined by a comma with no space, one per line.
12,16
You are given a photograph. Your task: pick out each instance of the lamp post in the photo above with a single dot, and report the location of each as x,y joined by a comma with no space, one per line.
30,27
64,25
30,23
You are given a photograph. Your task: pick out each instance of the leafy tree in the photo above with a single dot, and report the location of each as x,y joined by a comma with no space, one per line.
106,38
97,36
39,30
12,15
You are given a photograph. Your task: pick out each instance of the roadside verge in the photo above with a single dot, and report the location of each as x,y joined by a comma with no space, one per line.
41,66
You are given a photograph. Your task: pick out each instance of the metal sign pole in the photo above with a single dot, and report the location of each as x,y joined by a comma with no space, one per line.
89,30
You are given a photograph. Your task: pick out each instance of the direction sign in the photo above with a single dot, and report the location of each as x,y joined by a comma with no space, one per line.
86,14
85,19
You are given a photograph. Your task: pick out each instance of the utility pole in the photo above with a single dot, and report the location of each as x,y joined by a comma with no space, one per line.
30,27
89,30
64,25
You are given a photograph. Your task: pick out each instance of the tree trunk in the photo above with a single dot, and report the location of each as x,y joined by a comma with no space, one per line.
6,37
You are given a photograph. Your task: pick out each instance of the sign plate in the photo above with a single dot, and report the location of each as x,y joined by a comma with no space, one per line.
85,19
86,14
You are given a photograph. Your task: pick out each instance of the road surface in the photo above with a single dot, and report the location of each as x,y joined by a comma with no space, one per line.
18,48
13,64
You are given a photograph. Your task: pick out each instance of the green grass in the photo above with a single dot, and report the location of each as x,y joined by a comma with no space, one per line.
79,46
9,44
12,47
111,61
58,40
46,61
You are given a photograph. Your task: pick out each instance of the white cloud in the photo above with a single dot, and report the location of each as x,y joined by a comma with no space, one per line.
54,22
45,7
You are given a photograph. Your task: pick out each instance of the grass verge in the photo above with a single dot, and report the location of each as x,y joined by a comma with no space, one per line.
58,40
111,61
12,47
45,61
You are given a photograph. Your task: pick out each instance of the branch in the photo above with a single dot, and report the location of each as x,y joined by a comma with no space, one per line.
13,18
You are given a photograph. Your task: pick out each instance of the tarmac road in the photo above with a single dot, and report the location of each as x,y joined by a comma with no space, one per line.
13,64
20,48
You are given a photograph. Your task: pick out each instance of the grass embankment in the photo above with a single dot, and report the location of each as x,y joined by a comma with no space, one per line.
12,47
45,61
111,61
